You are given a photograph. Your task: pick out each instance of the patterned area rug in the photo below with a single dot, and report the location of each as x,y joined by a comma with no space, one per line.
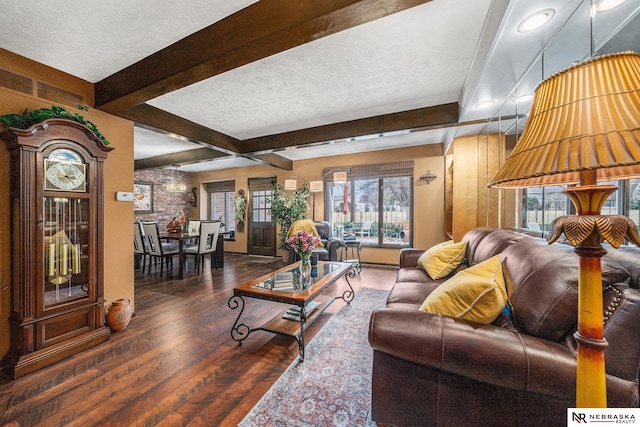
333,385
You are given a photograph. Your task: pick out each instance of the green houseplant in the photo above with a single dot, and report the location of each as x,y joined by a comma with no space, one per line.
241,206
28,118
287,209
348,228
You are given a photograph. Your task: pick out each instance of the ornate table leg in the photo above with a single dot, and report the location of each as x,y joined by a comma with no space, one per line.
239,332
348,294
300,339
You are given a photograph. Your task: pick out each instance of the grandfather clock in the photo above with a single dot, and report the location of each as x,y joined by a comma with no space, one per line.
57,302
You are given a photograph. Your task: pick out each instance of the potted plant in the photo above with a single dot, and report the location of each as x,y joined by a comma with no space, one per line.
348,228
287,209
241,206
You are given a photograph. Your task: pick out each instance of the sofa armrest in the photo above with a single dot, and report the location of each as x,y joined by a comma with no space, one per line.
409,257
484,353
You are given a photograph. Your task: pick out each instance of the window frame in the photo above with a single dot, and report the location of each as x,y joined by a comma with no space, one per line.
226,188
622,196
368,172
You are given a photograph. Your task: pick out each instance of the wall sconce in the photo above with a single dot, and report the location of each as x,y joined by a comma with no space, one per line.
428,177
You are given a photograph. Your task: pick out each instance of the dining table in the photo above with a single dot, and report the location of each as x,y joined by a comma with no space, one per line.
181,238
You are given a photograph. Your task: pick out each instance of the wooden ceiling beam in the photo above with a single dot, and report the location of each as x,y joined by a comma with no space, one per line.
160,120
274,160
420,119
216,144
263,29
183,157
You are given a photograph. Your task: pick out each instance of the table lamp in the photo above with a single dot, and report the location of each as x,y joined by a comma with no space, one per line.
584,127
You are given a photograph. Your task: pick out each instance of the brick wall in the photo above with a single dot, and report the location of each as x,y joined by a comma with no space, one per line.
165,204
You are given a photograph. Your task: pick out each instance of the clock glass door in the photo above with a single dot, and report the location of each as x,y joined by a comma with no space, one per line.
66,246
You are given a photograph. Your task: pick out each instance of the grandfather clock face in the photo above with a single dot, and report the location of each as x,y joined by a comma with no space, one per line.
64,170
66,244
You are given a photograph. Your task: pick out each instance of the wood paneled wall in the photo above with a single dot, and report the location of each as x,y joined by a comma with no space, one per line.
476,159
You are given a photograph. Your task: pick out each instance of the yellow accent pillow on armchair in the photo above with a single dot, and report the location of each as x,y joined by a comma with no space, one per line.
307,226
440,260
477,293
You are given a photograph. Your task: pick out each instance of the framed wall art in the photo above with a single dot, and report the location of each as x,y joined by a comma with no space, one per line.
143,197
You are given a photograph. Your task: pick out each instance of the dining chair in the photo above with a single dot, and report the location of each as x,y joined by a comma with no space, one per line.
139,248
156,249
207,242
193,228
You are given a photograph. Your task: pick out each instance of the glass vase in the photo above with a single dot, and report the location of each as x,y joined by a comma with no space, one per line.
305,264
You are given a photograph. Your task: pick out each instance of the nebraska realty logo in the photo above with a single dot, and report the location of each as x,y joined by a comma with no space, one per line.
583,416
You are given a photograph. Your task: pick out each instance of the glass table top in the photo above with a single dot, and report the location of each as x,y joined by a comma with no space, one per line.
289,280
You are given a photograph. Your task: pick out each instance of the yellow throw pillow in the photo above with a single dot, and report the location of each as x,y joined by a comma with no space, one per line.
440,260
477,293
307,226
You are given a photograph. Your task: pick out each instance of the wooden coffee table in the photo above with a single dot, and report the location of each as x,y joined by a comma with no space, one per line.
323,275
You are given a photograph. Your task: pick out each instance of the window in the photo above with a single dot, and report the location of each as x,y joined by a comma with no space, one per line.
632,197
544,204
221,203
374,205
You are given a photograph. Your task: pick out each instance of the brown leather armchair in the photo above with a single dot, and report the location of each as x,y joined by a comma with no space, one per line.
331,245
430,369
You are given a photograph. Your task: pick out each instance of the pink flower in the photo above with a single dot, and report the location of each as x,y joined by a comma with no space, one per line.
302,242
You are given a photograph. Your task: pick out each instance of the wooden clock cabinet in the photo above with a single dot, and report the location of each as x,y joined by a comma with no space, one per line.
56,192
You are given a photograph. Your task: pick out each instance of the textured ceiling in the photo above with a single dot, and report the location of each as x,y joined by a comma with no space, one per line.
439,52
94,39
404,61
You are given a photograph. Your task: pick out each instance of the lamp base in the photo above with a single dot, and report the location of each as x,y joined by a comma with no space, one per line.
585,231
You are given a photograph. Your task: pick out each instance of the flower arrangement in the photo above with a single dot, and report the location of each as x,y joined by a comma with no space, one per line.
303,243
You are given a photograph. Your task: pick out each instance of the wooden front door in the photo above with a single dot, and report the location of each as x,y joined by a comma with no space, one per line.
261,231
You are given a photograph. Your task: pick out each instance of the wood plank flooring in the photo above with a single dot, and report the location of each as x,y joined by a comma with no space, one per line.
175,364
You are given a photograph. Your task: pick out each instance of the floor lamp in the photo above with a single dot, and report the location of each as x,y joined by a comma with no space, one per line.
317,186
584,127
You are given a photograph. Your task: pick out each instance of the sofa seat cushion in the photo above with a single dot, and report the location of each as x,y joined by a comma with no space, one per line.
477,293
410,294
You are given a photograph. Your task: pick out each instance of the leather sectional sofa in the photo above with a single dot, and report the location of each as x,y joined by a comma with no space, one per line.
434,370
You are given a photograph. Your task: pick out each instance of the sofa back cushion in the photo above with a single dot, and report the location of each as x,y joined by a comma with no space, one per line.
542,284
484,243
629,258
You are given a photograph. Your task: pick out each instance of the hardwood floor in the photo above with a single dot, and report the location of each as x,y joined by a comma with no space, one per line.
175,364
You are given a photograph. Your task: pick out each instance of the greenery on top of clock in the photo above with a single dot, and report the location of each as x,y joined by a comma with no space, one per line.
28,118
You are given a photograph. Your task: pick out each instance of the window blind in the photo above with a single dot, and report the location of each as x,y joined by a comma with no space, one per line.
374,171
221,186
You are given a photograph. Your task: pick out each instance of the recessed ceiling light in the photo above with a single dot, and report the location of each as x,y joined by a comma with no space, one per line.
524,98
485,104
608,4
536,20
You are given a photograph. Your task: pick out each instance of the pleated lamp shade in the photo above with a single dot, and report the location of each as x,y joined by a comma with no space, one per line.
586,117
